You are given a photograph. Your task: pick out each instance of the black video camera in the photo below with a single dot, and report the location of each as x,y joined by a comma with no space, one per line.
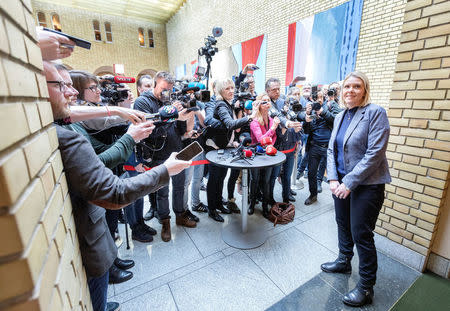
242,95
332,92
293,104
209,50
188,93
314,96
110,89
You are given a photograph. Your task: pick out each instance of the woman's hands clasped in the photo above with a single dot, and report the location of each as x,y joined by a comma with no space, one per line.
339,190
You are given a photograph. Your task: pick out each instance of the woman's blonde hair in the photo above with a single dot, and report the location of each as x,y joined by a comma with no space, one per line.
258,115
221,85
362,76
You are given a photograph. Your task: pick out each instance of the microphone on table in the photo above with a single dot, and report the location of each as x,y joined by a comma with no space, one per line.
266,141
271,150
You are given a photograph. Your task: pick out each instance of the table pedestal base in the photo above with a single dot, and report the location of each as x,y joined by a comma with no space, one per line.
255,236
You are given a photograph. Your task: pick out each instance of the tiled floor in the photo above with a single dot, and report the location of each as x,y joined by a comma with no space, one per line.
196,270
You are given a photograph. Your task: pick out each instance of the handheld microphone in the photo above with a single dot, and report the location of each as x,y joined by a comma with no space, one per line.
266,141
271,150
245,142
166,114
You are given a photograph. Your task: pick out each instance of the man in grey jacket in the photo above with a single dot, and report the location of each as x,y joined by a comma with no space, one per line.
93,187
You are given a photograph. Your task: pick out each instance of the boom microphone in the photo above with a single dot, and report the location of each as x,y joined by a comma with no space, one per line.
190,89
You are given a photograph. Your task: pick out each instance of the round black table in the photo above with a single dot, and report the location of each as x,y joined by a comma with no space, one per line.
244,235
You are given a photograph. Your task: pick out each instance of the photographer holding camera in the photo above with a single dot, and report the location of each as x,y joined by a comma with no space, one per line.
157,148
318,124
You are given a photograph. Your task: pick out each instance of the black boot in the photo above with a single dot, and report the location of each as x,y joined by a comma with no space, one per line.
358,297
251,208
341,265
265,210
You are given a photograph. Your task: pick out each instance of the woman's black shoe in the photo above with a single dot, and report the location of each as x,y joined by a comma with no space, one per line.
224,210
214,215
341,265
358,297
123,264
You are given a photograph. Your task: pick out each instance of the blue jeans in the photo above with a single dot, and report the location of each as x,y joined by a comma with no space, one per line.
98,288
194,174
162,197
302,161
315,154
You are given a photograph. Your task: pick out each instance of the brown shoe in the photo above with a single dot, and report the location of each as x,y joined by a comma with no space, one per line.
166,235
185,221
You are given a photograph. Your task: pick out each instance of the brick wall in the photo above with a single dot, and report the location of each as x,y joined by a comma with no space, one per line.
125,47
40,263
419,148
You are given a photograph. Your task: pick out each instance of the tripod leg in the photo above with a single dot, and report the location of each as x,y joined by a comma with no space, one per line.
126,229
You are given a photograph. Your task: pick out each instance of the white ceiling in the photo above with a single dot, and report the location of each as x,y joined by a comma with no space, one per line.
157,11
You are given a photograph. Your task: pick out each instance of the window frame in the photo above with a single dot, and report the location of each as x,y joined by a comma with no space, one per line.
108,32
151,40
141,32
99,31
44,23
59,22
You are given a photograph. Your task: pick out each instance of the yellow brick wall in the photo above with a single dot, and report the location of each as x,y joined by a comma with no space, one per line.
125,47
40,262
419,149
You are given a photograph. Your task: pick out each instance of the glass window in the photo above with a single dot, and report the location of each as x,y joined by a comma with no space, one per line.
41,19
141,37
55,22
151,43
108,32
97,33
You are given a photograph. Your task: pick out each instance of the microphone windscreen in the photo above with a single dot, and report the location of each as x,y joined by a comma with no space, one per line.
201,86
271,150
168,112
248,153
266,141
246,141
260,149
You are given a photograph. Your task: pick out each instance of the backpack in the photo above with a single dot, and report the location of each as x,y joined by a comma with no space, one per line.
282,213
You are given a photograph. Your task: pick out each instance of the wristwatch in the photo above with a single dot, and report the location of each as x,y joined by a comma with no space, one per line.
250,119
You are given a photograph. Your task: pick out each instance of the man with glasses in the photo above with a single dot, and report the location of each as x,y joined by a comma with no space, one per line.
93,186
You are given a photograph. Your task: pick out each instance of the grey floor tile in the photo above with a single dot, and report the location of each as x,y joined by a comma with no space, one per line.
314,295
393,279
158,299
290,258
111,292
322,229
233,283
141,289
158,258
230,251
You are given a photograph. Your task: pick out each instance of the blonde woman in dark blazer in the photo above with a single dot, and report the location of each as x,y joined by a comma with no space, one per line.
357,169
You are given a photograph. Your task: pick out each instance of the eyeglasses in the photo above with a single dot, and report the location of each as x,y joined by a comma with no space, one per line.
63,86
93,88
265,103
